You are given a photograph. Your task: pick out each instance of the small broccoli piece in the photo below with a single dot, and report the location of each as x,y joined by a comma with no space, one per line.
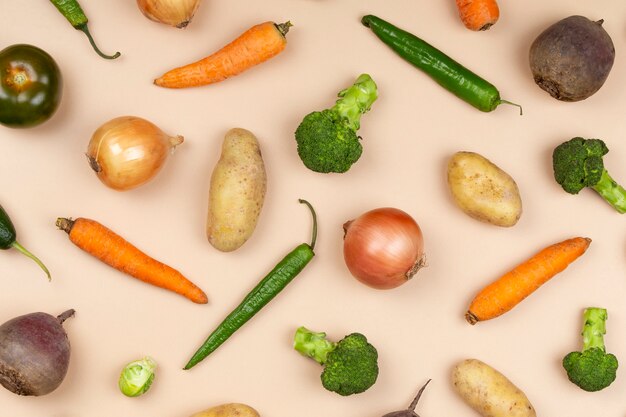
350,365
327,139
578,163
592,369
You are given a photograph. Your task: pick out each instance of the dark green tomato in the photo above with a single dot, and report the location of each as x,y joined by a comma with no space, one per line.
30,86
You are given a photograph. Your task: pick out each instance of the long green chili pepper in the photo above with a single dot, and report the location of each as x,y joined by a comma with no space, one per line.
448,73
75,15
273,283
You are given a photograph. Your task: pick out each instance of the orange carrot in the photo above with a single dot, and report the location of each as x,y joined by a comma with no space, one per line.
254,46
511,288
112,249
478,14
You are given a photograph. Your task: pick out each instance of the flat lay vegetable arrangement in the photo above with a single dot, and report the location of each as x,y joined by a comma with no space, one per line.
451,253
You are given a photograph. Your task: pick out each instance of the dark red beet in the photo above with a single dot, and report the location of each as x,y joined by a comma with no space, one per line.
34,353
572,59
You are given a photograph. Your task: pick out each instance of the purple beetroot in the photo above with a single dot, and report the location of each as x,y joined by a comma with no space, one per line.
572,59
34,353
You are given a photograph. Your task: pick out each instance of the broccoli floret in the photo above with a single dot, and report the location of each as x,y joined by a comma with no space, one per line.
578,163
350,365
592,369
327,139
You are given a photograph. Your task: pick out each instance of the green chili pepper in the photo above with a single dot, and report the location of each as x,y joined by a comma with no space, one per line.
273,283
75,15
448,73
8,239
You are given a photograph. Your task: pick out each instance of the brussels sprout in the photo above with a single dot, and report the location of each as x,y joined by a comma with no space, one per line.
137,377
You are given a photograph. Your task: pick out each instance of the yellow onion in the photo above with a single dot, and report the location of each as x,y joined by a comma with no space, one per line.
383,248
129,151
176,13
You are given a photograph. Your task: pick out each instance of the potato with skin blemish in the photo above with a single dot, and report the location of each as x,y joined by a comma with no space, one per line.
483,190
237,191
228,410
489,392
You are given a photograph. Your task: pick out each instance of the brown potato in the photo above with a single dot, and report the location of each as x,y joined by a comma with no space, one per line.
489,392
482,190
237,191
228,410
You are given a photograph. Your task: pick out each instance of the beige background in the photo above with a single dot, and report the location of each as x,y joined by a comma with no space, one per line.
408,136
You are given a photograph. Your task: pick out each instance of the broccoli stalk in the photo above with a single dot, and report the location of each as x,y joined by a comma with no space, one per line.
592,369
327,139
350,365
355,101
611,191
578,163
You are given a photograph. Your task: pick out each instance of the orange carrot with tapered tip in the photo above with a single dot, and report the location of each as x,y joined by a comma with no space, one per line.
478,14
254,46
511,288
115,251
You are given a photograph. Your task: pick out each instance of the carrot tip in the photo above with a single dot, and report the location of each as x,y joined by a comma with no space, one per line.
471,318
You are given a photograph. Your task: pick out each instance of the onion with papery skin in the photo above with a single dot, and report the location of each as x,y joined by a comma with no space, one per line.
176,13
129,151
383,248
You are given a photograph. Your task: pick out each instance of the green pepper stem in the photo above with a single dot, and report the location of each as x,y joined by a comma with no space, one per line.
314,232
85,30
512,104
22,249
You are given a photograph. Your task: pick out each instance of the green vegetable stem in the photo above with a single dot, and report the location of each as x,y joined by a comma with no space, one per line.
327,140
75,15
448,73
137,377
8,240
273,283
592,369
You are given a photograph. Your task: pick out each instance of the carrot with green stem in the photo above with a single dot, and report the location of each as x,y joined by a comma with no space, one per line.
115,251
478,14
256,45
514,286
